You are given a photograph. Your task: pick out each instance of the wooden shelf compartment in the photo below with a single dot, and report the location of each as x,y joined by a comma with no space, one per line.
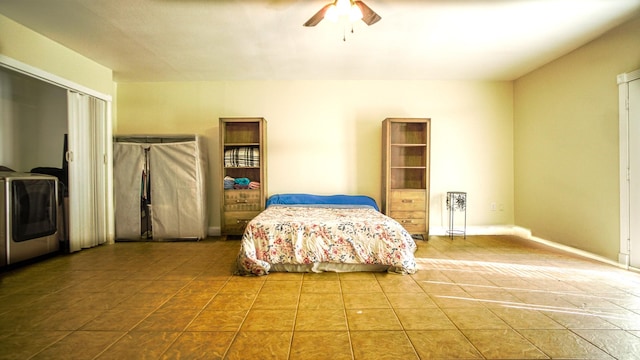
408,178
242,133
411,155
403,133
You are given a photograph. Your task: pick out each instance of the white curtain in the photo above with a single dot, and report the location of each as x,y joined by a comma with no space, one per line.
88,171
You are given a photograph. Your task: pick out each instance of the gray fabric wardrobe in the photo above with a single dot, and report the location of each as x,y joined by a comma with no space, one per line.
159,187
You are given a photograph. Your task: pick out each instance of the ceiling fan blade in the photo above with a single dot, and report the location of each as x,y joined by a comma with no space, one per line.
315,19
368,16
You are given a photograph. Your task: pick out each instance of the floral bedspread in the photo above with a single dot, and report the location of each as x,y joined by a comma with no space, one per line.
304,235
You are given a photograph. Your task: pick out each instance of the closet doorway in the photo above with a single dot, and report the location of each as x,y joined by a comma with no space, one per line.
52,126
629,90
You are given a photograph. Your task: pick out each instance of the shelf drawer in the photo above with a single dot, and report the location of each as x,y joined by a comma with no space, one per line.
242,200
236,221
412,221
407,200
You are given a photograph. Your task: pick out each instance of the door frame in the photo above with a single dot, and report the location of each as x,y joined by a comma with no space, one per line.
107,190
625,203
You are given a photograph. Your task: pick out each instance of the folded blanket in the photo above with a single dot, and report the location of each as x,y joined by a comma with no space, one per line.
242,157
242,181
254,185
229,182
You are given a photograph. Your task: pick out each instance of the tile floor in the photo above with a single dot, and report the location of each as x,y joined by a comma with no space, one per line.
487,297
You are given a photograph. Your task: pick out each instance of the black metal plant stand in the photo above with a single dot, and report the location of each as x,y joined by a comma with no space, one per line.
457,201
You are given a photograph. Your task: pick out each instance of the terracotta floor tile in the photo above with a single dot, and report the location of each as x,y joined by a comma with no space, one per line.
366,301
618,343
373,319
80,345
244,287
188,300
503,344
260,345
321,320
442,344
140,344
382,345
410,301
320,301
335,345
424,319
580,319
218,320
281,286
117,319
328,276
360,276
285,276
460,300
167,320
492,297
275,300
524,318
232,301
361,286
24,344
563,344
475,318
400,286
200,345
150,300
269,320
321,286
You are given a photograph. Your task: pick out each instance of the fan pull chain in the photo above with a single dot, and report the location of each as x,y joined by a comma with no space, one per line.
344,32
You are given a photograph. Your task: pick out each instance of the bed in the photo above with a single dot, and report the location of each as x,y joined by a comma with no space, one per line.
316,233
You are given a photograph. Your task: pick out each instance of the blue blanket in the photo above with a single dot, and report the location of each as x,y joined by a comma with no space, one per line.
309,199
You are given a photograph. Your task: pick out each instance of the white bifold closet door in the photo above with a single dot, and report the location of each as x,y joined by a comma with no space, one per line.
88,171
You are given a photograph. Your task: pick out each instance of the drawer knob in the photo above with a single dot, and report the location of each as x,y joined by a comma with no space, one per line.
407,200
241,221
238,201
407,221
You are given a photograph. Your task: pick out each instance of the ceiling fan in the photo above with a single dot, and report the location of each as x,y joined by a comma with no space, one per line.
355,10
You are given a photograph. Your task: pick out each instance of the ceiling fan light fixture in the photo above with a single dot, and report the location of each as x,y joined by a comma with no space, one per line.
332,13
349,10
355,13
343,6
343,9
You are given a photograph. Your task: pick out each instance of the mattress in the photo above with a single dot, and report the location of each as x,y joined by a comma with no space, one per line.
320,236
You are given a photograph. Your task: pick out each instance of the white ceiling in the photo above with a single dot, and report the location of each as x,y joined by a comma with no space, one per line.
185,40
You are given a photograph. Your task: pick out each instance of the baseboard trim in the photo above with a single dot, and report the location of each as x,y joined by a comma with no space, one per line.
526,234
214,231
476,230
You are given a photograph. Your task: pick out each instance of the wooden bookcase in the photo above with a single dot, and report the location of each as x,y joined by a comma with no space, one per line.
240,205
405,172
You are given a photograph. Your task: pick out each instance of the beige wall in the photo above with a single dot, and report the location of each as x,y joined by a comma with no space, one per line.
566,144
29,47
324,137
